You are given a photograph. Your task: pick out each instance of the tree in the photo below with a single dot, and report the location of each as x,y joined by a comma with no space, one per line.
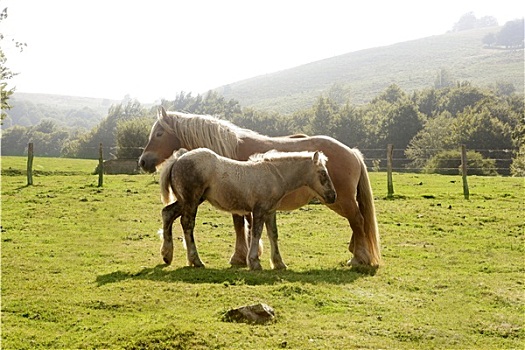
350,128
448,162
511,35
467,21
326,115
443,79
106,132
5,72
463,95
434,136
132,136
47,137
489,39
392,94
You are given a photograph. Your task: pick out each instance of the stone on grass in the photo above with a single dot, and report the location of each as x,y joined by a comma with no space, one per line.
258,313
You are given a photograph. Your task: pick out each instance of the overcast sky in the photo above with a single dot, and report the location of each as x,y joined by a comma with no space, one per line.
154,49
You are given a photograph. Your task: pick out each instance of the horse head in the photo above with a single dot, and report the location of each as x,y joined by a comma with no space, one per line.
161,144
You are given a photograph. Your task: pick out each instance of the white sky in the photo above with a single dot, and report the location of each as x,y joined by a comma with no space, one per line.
154,49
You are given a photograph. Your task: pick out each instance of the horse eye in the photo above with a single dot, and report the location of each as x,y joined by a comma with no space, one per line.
159,134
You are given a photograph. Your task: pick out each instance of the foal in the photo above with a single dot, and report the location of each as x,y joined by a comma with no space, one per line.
255,186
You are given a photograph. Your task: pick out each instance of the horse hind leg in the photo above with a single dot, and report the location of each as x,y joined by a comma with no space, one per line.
271,229
242,241
187,221
169,214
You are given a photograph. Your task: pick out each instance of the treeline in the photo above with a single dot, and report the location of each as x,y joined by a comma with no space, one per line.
511,36
26,112
428,125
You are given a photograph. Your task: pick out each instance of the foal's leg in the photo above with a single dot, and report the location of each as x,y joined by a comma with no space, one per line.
169,214
271,229
187,221
257,227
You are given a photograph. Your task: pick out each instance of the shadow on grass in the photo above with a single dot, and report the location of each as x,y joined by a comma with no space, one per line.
233,276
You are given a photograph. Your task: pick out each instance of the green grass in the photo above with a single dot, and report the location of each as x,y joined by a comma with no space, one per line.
81,268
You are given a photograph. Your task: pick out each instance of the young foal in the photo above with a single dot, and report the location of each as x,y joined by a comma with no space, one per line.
255,186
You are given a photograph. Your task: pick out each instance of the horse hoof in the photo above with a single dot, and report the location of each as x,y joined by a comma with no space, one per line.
354,262
279,266
167,261
236,261
255,267
198,264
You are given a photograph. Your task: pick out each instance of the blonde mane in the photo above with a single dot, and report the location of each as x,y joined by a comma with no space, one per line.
207,131
275,155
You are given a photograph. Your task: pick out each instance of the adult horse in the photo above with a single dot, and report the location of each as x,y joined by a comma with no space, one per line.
254,187
346,167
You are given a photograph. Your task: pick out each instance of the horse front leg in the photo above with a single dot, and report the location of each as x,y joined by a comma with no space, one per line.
187,221
271,229
169,214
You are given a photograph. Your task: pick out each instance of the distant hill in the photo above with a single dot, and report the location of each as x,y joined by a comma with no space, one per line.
360,75
69,111
412,65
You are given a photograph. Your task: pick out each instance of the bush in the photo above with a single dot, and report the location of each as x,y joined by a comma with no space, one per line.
449,163
517,168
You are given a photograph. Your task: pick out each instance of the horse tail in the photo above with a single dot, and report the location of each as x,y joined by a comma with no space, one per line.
167,194
365,199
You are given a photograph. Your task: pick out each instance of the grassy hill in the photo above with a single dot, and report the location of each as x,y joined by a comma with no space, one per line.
412,65
70,111
363,74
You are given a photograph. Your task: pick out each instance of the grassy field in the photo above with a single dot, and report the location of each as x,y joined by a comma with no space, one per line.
81,269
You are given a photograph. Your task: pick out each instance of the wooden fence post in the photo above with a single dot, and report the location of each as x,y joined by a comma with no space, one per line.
389,157
100,166
30,164
464,171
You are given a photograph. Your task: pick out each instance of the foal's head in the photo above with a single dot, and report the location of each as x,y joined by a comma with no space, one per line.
313,170
322,183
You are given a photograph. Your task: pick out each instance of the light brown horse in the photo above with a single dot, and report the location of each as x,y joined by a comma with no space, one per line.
346,167
253,187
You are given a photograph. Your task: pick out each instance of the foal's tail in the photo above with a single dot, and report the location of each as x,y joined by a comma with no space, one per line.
166,189
365,199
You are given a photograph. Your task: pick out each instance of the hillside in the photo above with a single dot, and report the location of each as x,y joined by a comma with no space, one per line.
412,65
70,111
363,74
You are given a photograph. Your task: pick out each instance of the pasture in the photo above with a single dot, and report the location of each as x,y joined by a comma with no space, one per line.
81,268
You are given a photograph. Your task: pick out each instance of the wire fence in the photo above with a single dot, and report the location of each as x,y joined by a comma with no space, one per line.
389,160
376,160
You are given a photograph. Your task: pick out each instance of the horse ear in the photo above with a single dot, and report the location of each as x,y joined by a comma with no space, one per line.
162,113
316,157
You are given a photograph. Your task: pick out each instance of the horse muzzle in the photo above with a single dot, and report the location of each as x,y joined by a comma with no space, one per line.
148,163
330,197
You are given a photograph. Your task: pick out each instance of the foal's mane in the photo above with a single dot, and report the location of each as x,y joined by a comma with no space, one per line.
207,131
274,155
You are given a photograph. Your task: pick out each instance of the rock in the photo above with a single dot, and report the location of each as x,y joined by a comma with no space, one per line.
257,313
